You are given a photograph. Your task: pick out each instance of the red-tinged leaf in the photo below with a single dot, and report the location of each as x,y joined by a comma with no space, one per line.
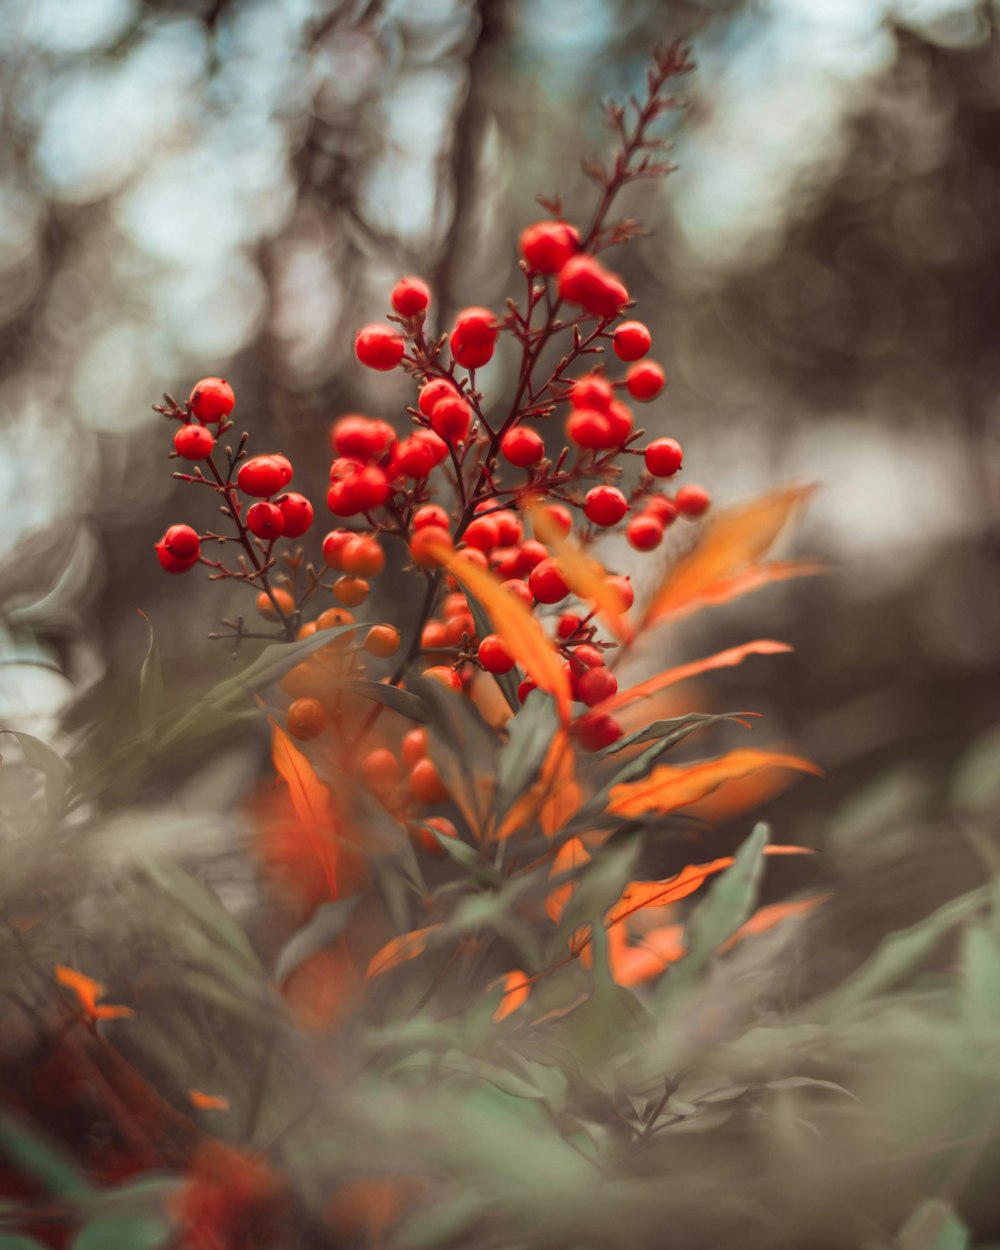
553,799
399,950
750,579
516,988
207,1102
634,962
731,542
88,991
639,895
768,917
584,575
667,788
310,801
521,633
571,855
722,659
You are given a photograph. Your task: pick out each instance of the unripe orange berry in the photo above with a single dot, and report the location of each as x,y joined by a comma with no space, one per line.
693,501
382,640
434,635
351,590
334,617
456,628
307,630
425,783
414,746
363,556
380,769
266,607
306,719
426,839
422,542
444,676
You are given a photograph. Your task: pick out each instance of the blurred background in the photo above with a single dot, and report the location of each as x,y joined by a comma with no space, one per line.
231,187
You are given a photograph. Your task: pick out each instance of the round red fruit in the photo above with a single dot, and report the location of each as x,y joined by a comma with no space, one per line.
591,391
362,556
664,457
624,587
568,624
620,419
494,656
597,730
605,505
433,391
182,542
664,509
413,458
645,380
596,685
363,438
548,245
547,583
474,337
589,655
212,400
583,280
430,514
194,442
379,347
645,531
509,526
522,446
451,419
170,563
333,548
297,514
531,554
632,340
262,476
483,533
306,719
265,521
524,689
693,501
590,429
520,589
410,296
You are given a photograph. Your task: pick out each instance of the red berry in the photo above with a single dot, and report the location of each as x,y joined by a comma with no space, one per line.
524,689
212,399
483,532
356,487
436,445
379,347
297,514
589,655
265,520
597,730
561,517
333,548
645,380
583,280
413,458
430,514
458,627
451,419
494,656
664,457
263,476
632,340
364,438
532,553
605,505
548,245
171,563
596,685
590,429
522,446
509,526
431,392
410,296
569,623
624,587
182,542
474,337
546,582
476,556
362,556
664,509
591,391
425,781
284,468
520,590
506,561
644,531
693,501
424,541
194,442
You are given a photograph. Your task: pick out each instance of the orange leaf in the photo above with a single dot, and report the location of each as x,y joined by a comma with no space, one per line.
767,917
750,579
553,799
584,575
632,963
722,659
668,788
207,1102
88,991
571,855
516,988
732,541
521,633
310,800
399,950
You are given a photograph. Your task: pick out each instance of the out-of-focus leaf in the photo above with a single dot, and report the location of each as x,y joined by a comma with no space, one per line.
27,1150
401,949
516,988
672,730
900,954
466,857
980,967
731,541
728,903
600,885
56,771
151,694
975,783
405,702
933,1225
87,992
666,788
17,1241
508,682
571,857
553,800
311,801
768,917
137,1231
671,676
755,577
531,731
464,749
326,924
583,574
517,627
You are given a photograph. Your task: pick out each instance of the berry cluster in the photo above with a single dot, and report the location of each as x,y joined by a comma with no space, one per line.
466,474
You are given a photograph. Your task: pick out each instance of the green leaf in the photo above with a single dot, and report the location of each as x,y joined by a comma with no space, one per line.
980,968
898,956
326,924
660,729
466,856
138,1231
530,731
151,694
405,702
975,784
463,748
57,773
16,1241
933,1225
32,1153
728,903
599,886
